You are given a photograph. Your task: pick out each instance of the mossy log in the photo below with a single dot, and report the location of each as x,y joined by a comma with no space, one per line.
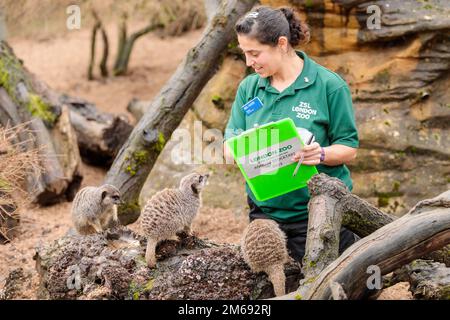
111,265
50,130
428,279
100,135
139,153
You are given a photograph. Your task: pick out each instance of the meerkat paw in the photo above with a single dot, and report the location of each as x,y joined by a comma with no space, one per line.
150,259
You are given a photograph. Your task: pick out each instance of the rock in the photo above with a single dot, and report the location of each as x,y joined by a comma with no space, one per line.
213,105
14,284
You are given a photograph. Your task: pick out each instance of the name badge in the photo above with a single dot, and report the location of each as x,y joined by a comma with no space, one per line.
252,106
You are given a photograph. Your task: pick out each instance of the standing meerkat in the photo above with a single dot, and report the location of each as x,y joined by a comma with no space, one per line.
263,246
94,207
170,211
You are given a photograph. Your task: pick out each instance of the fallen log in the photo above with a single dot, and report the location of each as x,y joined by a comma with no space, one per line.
99,135
50,131
423,230
428,280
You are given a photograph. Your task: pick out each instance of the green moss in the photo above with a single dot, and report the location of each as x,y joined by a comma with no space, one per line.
396,186
383,201
11,74
218,101
383,77
161,142
40,109
129,207
135,161
136,290
149,285
298,297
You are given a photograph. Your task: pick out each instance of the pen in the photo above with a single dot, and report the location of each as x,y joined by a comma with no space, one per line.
301,159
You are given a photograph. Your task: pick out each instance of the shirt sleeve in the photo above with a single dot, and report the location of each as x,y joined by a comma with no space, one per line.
342,127
236,122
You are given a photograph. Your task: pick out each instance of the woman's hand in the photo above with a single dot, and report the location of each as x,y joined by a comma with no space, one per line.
311,154
334,155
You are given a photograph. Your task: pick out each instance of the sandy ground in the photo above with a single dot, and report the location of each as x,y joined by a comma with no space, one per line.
62,63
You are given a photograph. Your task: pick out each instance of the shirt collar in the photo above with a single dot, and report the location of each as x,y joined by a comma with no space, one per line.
305,79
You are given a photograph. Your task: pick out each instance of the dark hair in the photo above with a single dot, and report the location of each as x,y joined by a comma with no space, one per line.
266,25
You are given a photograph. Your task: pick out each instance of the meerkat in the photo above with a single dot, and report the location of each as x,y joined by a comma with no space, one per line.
94,207
170,211
263,246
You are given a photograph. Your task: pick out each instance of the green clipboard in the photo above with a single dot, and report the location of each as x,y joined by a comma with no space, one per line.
264,156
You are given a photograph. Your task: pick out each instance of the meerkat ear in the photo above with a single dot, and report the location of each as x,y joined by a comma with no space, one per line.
194,189
104,193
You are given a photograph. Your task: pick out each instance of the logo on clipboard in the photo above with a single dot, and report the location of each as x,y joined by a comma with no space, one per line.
252,106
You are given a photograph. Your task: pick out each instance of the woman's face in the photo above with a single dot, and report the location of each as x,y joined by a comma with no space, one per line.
264,59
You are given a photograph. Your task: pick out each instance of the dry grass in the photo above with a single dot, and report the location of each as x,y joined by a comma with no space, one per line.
17,161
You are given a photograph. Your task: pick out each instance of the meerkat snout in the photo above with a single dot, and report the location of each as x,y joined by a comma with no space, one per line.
111,196
194,182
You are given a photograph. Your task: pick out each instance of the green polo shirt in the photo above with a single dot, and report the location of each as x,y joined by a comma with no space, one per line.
320,101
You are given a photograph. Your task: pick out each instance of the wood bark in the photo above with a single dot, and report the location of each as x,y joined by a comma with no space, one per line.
139,153
126,44
49,122
424,229
98,26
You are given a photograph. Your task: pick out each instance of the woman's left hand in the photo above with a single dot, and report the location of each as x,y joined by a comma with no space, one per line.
311,154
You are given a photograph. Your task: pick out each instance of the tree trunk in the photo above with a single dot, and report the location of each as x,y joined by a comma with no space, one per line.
22,102
126,46
103,68
138,155
92,55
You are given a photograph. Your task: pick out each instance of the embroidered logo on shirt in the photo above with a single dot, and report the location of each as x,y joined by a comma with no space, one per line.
304,110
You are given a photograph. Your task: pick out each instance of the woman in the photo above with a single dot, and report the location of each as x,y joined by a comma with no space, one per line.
290,84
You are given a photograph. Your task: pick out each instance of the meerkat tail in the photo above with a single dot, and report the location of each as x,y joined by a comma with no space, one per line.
278,279
150,253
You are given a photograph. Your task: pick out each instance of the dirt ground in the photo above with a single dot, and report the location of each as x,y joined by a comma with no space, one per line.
62,62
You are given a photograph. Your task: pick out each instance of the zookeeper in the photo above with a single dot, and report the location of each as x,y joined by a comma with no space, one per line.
292,85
